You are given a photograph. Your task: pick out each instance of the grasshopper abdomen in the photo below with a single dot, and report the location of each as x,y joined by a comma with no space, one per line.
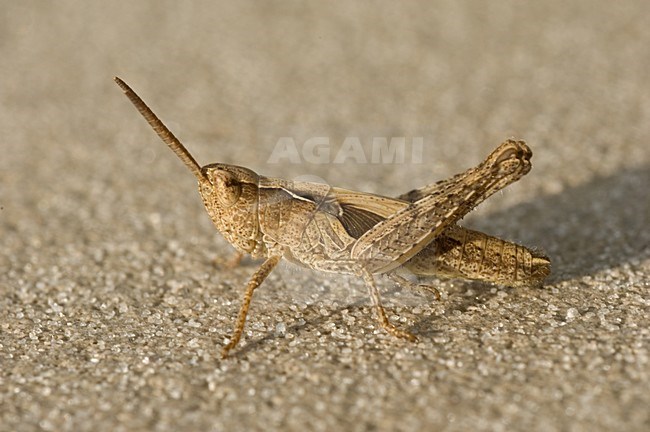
463,253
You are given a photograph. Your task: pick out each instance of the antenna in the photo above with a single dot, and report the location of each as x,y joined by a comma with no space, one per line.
165,134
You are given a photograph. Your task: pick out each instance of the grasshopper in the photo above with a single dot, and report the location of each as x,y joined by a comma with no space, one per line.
348,232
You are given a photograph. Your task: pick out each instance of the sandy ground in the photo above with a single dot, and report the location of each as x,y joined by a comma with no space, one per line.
113,306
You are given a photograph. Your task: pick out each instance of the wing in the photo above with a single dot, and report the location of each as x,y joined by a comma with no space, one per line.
359,211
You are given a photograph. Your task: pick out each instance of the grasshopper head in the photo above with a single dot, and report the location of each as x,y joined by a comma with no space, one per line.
230,195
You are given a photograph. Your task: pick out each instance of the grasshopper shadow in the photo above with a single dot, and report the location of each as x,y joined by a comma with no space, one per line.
585,229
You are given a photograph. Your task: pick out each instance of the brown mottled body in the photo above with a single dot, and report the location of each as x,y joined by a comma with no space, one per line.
343,231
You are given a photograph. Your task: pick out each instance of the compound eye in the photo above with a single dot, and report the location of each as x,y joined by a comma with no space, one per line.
227,187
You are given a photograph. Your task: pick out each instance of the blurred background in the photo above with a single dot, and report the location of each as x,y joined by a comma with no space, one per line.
233,79
95,210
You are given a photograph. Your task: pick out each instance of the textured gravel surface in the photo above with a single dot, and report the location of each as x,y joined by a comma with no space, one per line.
113,304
